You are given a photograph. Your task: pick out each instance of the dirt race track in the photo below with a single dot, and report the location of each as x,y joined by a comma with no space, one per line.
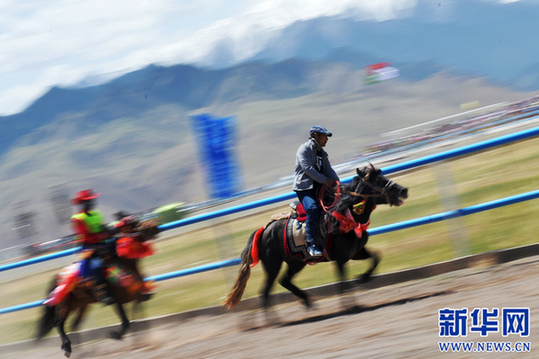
396,321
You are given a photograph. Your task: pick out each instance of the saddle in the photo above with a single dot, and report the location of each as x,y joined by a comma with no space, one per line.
295,234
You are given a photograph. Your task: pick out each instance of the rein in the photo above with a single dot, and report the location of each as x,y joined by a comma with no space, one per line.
338,193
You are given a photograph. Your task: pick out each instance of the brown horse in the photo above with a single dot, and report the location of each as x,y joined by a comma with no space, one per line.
348,236
126,284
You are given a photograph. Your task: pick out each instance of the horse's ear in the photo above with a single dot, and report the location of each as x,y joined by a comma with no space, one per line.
363,173
374,169
368,172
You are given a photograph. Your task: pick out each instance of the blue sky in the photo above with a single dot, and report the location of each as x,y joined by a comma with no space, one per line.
66,42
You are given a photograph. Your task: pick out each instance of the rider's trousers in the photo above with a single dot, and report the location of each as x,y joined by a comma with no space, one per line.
308,200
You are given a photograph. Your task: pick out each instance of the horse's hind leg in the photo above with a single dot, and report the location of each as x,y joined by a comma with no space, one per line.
286,281
66,343
79,318
366,254
125,323
272,268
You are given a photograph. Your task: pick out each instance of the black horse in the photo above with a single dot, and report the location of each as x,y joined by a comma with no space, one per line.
130,287
344,223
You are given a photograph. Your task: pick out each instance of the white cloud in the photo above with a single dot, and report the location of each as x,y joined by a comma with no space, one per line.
252,28
44,43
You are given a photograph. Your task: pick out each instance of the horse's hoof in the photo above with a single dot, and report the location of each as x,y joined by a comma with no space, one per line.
67,349
272,320
364,278
116,336
307,303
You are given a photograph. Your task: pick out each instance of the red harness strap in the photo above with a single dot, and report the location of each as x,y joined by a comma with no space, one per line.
254,246
348,223
130,247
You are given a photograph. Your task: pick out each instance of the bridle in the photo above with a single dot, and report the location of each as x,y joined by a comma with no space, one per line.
384,192
339,191
346,221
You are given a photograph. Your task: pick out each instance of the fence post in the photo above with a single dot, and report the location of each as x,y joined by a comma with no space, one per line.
449,199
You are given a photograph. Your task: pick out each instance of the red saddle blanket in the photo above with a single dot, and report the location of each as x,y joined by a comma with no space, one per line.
65,282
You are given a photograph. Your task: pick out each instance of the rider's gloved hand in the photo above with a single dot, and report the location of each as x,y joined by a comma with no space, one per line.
330,183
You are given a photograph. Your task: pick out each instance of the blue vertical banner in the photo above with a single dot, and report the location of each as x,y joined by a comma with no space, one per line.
216,141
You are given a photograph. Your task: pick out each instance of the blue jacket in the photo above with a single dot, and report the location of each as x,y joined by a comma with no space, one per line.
307,169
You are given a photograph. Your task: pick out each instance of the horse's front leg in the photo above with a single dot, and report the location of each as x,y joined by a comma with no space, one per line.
347,301
341,272
375,260
125,323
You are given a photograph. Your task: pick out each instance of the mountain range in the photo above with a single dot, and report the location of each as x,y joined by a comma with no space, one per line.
483,38
131,137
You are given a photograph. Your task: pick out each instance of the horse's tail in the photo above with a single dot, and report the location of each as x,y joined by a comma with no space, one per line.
249,257
48,320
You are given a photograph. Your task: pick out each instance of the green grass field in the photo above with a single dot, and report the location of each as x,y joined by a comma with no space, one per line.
486,176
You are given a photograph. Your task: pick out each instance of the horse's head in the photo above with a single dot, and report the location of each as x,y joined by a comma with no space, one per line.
147,229
358,199
371,183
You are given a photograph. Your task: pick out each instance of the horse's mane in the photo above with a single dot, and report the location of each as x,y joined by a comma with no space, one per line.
350,190
347,197
344,200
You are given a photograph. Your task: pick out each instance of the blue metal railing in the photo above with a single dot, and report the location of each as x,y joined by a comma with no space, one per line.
378,230
392,227
518,136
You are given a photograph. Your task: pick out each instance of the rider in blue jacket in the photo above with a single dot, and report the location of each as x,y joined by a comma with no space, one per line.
312,171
